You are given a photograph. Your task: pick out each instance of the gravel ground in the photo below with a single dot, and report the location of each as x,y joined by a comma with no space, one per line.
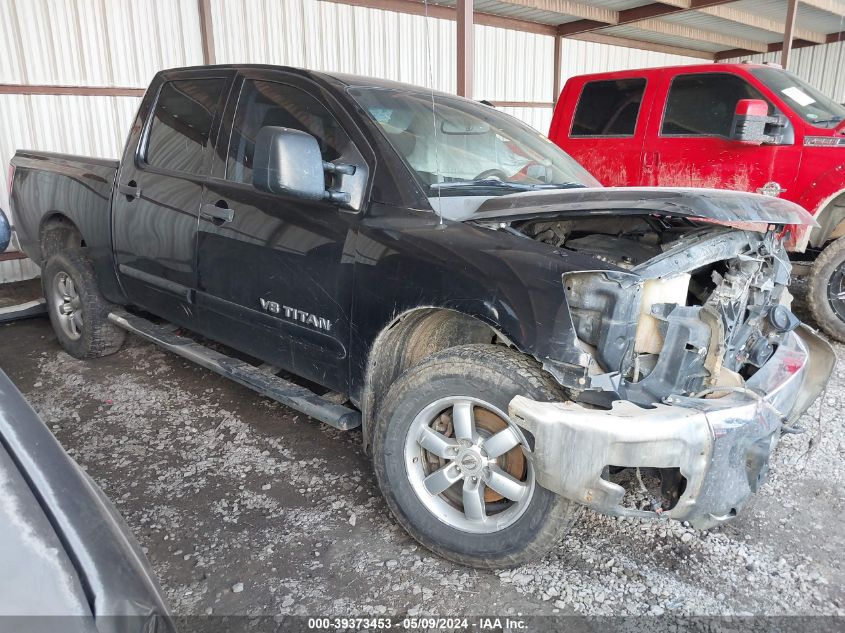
19,292
245,507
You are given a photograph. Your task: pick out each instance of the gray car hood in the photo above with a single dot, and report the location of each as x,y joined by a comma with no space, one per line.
38,577
64,547
715,205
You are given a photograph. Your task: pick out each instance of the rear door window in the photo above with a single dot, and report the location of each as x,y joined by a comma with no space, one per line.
181,124
609,108
703,104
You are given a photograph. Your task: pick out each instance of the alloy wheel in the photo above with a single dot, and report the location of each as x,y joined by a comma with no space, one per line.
836,291
467,463
67,305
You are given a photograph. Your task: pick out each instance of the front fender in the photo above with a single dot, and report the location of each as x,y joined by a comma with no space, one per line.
512,283
824,188
818,199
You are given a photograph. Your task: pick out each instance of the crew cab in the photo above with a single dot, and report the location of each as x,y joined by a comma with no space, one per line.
686,126
514,339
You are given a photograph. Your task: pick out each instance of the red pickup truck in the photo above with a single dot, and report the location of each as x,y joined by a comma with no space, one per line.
688,126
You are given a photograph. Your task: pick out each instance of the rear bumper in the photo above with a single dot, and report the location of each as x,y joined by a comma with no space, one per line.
721,445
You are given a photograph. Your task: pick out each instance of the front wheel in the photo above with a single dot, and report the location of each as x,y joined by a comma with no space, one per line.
826,290
454,469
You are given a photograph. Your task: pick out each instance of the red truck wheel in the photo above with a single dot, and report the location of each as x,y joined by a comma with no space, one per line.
826,292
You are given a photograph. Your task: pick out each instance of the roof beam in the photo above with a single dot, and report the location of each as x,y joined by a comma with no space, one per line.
465,47
700,35
760,22
789,32
830,38
77,91
557,69
644,12
570,7
831,6
209,55
441,12
772,48
681,4
600,38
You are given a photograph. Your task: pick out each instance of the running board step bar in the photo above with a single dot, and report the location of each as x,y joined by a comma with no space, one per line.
23,310
265,383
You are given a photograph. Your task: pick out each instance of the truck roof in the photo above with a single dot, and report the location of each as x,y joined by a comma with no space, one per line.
357,81
639,72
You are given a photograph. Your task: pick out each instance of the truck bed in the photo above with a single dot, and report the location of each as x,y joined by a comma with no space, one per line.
77,187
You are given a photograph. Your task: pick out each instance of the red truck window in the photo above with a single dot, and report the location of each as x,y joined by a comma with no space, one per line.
810,104
608,108
181,124
703,104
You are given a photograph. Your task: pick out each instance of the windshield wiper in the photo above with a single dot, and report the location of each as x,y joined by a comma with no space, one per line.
487,183
491,183
559,185
835,119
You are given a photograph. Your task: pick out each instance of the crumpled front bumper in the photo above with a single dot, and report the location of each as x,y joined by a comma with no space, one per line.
720,445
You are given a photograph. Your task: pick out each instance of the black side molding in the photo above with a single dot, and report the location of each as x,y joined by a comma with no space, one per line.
263,382
183,292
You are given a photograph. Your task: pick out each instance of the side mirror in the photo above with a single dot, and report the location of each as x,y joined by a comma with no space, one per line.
749,123
289,162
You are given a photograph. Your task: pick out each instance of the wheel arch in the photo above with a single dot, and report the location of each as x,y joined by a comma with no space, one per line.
57,231
831,219
410,338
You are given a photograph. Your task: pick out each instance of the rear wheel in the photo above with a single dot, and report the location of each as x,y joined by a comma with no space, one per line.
78,312
454,469
826,290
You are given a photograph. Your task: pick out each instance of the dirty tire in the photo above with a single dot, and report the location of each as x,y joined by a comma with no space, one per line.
493,374
97,336
824,268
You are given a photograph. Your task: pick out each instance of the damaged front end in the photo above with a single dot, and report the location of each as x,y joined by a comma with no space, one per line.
688,365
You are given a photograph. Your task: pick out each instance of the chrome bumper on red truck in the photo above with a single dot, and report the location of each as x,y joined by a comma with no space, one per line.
720,445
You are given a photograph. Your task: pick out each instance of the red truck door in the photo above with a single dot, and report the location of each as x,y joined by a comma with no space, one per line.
688,145
607,132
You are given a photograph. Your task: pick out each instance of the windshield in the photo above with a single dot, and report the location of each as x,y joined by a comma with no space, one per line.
478,150
809,103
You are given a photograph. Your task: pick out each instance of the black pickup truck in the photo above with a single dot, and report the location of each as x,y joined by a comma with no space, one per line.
515,340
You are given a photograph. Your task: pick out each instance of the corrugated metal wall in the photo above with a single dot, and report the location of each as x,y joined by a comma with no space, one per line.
509,65
96,42
83,43
100,43
823,67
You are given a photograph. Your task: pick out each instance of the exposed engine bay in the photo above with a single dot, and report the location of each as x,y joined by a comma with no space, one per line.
682,361
690,308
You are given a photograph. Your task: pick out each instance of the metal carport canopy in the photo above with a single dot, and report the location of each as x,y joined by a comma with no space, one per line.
708,29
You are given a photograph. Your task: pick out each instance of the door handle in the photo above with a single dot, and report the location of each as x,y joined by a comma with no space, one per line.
131,190
217,213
